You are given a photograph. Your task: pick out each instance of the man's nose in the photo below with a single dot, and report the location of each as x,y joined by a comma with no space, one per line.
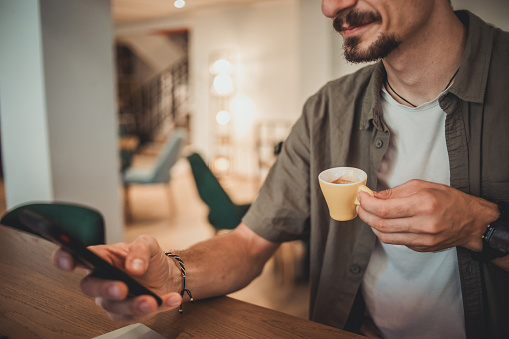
331,8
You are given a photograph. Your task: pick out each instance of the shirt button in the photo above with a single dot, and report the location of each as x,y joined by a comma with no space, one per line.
355,269
379,143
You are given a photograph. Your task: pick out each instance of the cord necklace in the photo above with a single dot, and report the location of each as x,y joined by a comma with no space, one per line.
408,102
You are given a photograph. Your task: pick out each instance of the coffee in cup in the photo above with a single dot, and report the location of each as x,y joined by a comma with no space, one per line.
340,186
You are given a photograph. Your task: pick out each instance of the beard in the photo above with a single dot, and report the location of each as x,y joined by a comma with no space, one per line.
379,49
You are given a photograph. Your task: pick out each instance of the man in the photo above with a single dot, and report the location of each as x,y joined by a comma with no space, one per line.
428,125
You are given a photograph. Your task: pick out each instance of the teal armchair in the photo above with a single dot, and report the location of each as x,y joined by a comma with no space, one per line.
223,212
83,223
159,173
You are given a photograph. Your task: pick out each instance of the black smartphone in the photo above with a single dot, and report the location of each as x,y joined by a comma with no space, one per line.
100,268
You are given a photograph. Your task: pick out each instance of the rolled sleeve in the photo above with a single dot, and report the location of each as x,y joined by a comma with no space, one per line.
281,210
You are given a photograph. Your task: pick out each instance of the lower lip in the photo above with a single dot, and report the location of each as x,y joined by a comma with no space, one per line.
353,31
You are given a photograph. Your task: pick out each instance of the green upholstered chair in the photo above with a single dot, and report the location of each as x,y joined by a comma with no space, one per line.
84,223
223,212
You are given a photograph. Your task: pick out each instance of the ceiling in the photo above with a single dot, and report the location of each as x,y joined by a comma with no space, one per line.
129,11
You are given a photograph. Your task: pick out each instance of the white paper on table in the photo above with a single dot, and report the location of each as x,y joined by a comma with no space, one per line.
134,331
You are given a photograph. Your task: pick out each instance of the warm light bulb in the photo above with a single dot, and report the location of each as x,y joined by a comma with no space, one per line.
179,3
222,164
223,117
221,66
223,84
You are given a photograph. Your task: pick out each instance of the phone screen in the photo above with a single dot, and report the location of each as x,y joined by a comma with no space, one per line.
100,268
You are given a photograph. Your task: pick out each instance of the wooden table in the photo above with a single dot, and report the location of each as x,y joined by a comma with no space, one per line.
39,301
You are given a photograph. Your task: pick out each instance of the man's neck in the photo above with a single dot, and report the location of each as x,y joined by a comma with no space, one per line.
421,67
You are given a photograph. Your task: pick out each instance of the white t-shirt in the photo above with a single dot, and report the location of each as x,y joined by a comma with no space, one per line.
410,294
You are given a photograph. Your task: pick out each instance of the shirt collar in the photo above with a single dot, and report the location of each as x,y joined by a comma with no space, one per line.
469,84
371,109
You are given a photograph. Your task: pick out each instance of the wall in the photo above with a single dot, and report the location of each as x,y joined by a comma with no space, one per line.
315,53
267,79
57,96
25,148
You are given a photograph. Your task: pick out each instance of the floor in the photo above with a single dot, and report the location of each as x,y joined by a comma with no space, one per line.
179,220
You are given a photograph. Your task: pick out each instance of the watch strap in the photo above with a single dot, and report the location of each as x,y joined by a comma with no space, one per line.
496,238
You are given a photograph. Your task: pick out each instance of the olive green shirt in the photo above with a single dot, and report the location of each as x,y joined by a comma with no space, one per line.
342,125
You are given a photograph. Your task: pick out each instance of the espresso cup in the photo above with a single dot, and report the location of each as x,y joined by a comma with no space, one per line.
341,197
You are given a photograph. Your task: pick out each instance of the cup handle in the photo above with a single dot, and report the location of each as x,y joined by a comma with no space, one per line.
365,189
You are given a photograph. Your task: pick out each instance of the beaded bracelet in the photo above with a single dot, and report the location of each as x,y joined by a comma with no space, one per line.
183,272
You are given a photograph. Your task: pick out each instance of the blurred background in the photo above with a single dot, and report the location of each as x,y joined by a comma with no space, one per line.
133,107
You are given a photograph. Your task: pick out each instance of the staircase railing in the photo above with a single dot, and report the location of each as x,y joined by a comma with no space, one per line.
160,103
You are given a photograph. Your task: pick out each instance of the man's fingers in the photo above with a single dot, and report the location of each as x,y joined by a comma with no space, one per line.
134,307
108,289
396,216
386,209
171,300
404,190
389,225
63,260
420,243
139,307
407,239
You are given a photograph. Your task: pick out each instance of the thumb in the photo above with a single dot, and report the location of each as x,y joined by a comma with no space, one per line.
404,190
385,194
139,255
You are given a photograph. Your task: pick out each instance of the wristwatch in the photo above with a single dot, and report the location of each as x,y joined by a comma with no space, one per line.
496,238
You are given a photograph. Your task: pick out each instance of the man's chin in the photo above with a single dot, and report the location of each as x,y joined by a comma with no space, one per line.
355,53
357,57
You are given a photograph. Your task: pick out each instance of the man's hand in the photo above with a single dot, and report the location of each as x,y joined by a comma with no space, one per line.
143,260
427,216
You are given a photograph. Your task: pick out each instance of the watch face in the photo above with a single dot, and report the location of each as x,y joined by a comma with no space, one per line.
500,239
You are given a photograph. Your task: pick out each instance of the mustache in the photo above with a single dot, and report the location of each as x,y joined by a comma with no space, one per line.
355,18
